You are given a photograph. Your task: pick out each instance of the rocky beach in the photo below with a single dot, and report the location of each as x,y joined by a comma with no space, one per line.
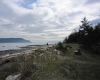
22,50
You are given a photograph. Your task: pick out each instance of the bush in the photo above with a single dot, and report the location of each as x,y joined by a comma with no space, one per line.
60,47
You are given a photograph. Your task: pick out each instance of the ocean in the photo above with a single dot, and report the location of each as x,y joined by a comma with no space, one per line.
13,46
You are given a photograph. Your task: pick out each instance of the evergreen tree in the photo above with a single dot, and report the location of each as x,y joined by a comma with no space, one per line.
88,36
72,38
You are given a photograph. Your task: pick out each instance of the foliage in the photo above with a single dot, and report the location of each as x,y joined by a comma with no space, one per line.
72,37
87,35
61,47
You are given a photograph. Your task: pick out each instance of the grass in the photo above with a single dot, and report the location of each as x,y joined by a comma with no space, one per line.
81,67
77,71
8,70
45,65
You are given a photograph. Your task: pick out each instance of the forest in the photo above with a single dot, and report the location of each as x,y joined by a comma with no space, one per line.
88,36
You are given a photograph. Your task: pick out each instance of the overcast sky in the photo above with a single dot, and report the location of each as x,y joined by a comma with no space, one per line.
45,20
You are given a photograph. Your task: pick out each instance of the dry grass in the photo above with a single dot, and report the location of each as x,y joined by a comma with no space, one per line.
44,65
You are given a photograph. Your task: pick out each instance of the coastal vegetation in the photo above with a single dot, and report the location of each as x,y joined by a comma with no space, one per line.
47,64
59,61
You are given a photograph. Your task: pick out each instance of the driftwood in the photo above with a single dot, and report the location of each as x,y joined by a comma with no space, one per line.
77,52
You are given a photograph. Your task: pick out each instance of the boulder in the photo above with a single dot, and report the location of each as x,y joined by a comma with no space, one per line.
13,77
55,51
59,52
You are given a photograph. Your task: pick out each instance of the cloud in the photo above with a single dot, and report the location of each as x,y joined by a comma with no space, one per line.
44,20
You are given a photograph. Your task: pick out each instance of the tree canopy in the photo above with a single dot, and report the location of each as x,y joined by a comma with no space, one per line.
87,35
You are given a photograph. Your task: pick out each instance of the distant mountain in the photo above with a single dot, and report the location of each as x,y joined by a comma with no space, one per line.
14,40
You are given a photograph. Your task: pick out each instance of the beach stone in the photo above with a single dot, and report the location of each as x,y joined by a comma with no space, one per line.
55,51
58,52
13,77
7,55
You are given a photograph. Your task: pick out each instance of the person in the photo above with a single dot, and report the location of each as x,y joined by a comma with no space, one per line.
47,44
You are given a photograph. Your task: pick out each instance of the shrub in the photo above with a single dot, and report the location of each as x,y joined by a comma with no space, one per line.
60,47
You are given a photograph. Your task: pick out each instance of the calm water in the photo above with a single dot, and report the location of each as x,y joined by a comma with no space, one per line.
10,46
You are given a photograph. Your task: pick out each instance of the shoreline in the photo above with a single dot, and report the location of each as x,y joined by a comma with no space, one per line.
24,50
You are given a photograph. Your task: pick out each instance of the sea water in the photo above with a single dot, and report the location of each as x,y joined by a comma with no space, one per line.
11,46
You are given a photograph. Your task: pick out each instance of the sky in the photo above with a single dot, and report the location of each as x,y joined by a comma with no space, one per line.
42,21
